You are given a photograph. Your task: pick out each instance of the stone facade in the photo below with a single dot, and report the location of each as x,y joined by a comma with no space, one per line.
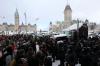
16,27
64,24
67,16
60,25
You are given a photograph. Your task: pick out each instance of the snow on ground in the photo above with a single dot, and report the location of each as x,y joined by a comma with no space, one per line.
56,63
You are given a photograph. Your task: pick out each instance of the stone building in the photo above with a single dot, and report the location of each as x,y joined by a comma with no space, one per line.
60,25
67,16
17,28
64,24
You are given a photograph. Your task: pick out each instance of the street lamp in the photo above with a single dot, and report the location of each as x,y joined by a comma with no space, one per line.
78,30
25,22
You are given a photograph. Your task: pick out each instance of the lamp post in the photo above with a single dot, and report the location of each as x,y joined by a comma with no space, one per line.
36,24
78,30
25,22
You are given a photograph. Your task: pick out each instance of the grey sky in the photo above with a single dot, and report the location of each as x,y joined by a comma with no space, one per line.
49,10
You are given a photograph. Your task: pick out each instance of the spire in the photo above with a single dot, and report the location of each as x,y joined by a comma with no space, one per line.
35,25
68,6
16,12
50,23
25,15
22,23
25,18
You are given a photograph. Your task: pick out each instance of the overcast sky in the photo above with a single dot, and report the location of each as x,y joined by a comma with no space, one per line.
49,10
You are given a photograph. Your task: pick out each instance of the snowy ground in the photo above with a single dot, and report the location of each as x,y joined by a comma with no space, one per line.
56,63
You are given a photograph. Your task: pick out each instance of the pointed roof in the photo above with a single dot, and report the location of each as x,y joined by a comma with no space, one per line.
22,23
16,12
50,23
35,25
86,20
68,8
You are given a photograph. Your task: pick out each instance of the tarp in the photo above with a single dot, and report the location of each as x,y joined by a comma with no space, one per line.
73,27
60,35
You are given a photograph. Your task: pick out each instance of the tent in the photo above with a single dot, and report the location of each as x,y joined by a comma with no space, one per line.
60,35
73,27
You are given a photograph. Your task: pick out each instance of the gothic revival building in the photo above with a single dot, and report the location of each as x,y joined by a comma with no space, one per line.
60,25
5,28
16,20
67,16
66,23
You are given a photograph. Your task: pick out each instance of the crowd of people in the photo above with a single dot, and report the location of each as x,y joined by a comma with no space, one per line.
29,50
24,50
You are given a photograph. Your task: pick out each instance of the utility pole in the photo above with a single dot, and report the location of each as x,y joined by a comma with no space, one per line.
25,22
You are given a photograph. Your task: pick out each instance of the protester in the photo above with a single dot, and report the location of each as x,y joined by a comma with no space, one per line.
27,50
